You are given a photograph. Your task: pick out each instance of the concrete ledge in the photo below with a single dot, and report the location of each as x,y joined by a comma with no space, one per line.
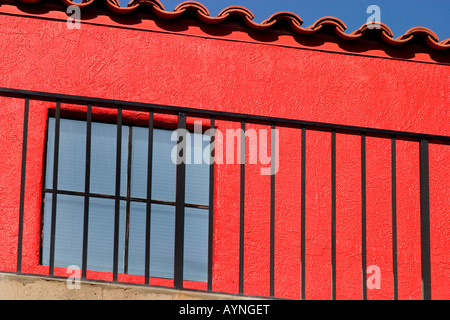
23,287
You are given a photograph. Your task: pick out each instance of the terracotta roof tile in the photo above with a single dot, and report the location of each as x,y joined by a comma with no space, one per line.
293,21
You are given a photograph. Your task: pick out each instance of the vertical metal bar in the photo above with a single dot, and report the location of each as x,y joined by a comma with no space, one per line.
394,214
87,182
148,217
211,206
180,201
303,214
22,184
242,210
425,220
117,196
128,204
272,209
363,216
55,188
333,214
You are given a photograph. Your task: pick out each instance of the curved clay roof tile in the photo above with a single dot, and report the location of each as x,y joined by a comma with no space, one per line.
329,21
194,6
237,11
284,15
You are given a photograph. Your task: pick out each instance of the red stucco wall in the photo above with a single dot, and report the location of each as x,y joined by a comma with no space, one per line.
260,79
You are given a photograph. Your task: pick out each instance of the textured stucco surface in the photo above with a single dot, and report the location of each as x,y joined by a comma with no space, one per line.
195,72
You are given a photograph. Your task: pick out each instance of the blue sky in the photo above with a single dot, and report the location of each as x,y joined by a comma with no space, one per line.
399,15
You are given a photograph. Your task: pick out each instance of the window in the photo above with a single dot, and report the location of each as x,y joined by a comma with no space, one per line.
70,201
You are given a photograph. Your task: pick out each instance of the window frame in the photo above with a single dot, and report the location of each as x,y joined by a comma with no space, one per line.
153,124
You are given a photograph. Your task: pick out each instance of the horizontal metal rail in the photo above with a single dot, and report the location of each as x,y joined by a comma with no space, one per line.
219,115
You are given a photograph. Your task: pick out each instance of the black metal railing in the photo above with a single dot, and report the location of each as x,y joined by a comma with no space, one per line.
243,119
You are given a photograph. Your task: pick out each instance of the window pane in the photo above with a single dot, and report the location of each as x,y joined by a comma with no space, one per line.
197,172
72,155
101,234
68,232
136,249
162,241
139,163
196,245
103,158
164,170
124,160
50,153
